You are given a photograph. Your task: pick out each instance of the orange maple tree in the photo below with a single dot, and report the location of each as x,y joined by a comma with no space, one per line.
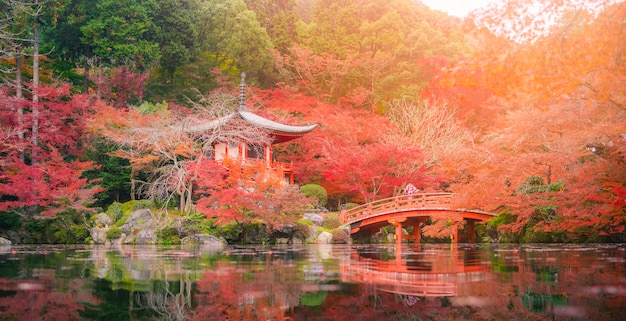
357,155
243,193
551,151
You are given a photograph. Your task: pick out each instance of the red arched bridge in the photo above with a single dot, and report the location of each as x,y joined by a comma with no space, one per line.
411,210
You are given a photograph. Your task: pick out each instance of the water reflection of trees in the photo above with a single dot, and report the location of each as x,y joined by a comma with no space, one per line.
135,283
245,283
164,303
249,291
39,299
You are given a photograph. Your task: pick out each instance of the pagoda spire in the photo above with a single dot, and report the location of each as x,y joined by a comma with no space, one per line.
242,92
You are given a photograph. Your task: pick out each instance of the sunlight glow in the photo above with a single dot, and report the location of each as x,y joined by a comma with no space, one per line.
458,8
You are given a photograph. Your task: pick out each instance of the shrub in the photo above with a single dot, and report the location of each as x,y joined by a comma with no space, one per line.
230,231
114,233
150,108
302,229
536,184
331,221
60,237
315,191
340,236
481,233
350,206
36,226
115,211
131,206
168,236
492,228
555,186
80,232
10,220
304,221
122,220
503,218
532,184
199,223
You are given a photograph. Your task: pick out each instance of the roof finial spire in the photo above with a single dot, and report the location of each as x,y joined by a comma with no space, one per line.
242,92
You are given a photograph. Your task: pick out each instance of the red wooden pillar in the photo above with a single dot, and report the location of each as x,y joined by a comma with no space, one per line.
417,233
398,233
398,225
398,237
455,233
471,236
398,253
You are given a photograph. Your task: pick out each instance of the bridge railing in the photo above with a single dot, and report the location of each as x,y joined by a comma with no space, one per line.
391,204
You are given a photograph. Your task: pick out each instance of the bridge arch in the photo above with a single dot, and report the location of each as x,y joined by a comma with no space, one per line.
409,210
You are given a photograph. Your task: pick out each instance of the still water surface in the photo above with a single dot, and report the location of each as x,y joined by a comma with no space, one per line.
314,282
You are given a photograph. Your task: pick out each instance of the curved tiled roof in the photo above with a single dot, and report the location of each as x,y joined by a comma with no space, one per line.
259,121
280,132
209,125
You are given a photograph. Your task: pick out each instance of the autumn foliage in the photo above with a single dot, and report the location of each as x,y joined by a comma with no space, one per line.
519,109
556,112
41,163
247,193
357,155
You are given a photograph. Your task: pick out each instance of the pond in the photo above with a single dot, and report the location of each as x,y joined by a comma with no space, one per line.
314,282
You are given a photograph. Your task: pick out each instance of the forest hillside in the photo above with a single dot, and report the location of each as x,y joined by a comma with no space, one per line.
519,108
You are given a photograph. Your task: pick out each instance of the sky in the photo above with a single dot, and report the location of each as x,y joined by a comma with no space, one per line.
459,8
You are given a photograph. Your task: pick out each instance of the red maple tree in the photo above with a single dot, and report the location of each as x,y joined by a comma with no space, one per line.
45,172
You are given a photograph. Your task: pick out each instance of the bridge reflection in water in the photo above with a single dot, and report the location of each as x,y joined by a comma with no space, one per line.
416,273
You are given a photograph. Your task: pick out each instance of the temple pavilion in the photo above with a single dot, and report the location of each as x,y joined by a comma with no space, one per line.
252,152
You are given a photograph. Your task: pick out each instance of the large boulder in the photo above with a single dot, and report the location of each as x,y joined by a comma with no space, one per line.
14,237
140,219
324,238
139,228
313,232
285,234
99,235
146,237
4,241
206,240
102,220
178,225
315,218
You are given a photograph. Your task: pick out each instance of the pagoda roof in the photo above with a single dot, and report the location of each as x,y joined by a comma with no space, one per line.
279,132
274,126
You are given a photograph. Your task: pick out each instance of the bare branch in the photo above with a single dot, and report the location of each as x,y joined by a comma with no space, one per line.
430,127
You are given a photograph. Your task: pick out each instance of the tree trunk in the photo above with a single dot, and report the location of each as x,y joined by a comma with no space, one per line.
86,77
99,79
189,199
182,205
133,184
35,109
20,95
18,78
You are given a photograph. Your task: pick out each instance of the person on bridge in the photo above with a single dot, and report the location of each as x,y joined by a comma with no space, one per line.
410,189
